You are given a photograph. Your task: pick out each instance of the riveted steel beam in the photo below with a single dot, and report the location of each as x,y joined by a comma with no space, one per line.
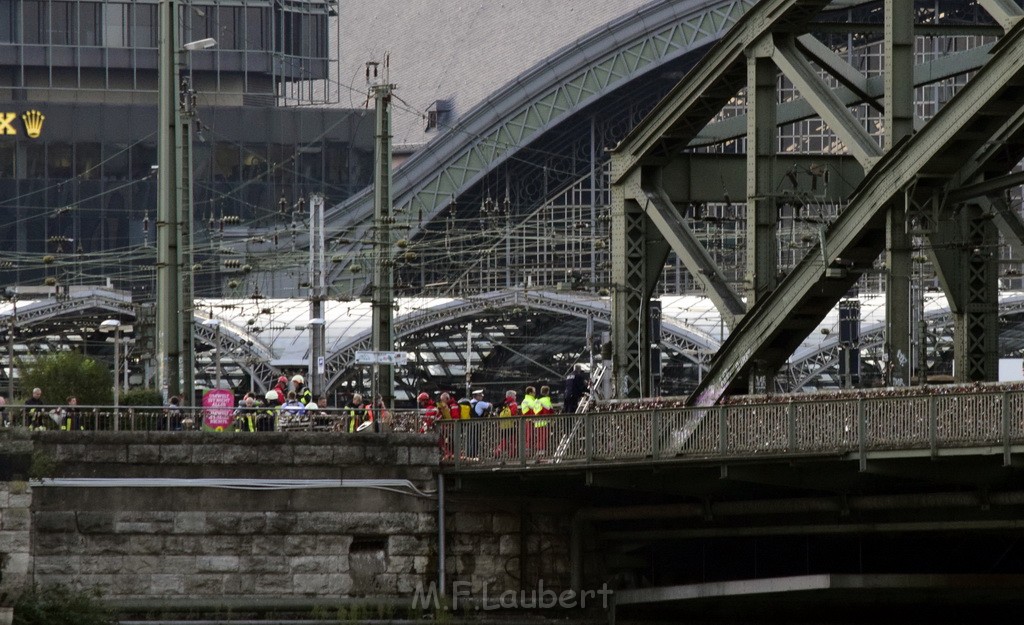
666,218
979,133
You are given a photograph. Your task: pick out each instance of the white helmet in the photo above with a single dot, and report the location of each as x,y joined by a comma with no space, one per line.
271,395
312,406
298,379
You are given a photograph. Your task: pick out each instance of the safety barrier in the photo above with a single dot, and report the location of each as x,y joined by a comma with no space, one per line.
856,425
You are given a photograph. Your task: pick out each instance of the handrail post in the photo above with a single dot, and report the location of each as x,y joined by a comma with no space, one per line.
791,427
655,434
723,433
521,424
933,425
1006,428
457,443
588,440
862,434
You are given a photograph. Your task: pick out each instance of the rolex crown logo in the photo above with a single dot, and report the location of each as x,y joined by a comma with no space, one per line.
33,123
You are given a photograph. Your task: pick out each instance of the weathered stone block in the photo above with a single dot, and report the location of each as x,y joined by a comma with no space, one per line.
273,584
95,522
408,545
163,585
143,454
508,545
239,584
429,456
181,544
264,564
313,455
146,545
472,522
15,519
56,565
407,584
175,454
217,564
91,565
204,585
313,584
225,454
19,500
190,523
348,455
400,564
505,523
319,564
19,564
234,523
270,455
52,521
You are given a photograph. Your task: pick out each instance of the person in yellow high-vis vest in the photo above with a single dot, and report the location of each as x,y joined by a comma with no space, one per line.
541,431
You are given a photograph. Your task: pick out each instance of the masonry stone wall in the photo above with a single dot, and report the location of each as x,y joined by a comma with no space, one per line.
135,541
137,537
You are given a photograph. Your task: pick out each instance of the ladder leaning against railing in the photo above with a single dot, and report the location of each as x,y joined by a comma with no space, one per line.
592,395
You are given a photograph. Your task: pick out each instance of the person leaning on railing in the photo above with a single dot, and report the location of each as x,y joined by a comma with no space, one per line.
70,417
246,414
35,414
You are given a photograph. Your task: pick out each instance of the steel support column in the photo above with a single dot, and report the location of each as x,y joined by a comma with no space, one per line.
976,324
762,213
899,123
638,256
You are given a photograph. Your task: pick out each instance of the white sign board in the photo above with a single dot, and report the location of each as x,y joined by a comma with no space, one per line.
1011,369
381,358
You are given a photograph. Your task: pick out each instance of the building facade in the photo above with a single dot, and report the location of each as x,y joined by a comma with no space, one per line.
78,132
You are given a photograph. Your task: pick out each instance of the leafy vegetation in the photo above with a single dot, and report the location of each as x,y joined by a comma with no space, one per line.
68,373
60,605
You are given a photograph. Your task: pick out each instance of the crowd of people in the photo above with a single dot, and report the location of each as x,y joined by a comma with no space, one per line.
290,405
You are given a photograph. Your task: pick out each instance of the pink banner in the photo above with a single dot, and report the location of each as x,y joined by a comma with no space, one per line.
218,410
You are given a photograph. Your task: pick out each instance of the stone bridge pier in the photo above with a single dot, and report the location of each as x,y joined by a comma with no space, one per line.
165,518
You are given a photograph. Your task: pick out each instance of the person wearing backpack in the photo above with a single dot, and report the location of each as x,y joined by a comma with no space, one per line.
507,427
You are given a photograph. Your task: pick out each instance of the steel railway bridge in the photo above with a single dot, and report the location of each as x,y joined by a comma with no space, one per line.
775,238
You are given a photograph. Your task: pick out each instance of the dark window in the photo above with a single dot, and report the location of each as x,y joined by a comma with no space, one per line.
228,28
336,163
145,26
87,161
35,160
7,16
34,15
7,153
59,159
115,162
115,25
89,24
143,159
255,28
62,23
225,162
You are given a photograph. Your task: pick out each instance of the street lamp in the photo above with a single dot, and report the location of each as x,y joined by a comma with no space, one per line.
107,326
214,325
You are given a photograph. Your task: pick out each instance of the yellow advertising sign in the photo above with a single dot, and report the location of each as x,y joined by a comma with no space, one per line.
32,120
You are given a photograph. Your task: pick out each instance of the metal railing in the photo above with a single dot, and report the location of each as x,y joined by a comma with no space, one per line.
856,425
182,419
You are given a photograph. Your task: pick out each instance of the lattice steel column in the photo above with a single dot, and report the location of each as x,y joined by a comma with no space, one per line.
976,324
638,255
899,122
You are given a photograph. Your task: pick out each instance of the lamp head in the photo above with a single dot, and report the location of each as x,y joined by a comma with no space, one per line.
202,44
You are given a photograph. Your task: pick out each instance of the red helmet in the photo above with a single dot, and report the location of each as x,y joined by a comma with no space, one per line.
282,380
422,397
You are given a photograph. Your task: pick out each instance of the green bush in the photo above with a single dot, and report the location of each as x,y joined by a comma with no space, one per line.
60,605
68,373
141,397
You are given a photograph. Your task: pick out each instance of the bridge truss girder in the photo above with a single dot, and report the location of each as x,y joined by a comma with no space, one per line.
976,136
